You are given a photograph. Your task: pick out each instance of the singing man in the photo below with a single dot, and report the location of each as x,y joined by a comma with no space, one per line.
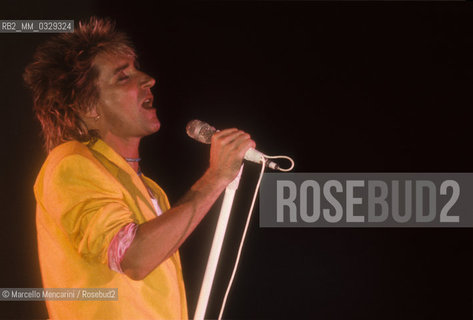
101,222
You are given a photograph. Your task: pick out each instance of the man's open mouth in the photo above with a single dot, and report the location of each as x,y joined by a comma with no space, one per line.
148,103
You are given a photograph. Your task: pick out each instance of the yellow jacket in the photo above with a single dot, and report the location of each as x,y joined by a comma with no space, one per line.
85,194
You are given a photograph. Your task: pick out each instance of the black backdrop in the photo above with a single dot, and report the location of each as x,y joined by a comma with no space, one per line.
339,86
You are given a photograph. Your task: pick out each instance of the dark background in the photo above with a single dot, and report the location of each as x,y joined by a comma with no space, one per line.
338,86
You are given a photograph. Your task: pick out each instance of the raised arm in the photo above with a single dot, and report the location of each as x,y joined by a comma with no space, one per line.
158,239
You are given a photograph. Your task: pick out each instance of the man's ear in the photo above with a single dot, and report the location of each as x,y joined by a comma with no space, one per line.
91,117
91,113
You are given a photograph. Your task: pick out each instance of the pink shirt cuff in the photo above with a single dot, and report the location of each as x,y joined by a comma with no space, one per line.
119,244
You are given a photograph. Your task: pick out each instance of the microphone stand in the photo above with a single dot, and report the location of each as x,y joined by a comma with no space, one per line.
216,247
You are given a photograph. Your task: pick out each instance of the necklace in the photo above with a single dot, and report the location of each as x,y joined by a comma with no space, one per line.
135,160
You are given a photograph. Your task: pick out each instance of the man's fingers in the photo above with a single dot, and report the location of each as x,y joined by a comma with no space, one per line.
229,136
227,151
234,141
224,134
243,141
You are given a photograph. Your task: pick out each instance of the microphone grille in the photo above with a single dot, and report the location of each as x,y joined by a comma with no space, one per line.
200,131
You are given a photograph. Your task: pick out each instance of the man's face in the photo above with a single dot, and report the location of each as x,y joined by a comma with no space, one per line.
125,100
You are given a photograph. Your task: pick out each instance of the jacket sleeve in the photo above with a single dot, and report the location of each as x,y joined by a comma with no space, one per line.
86,202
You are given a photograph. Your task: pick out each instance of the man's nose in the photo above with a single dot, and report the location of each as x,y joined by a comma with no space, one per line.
147,81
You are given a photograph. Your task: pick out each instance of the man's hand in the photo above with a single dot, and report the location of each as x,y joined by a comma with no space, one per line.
157,239
226,153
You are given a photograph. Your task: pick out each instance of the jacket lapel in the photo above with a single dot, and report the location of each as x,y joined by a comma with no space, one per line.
117,165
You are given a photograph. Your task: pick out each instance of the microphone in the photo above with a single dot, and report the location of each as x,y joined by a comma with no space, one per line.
203,132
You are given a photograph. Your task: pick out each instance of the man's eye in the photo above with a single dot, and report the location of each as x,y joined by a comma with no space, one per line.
122,78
